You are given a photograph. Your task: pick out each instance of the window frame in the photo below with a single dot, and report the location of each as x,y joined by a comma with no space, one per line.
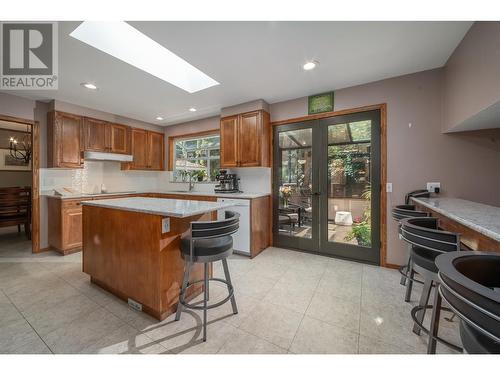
184,137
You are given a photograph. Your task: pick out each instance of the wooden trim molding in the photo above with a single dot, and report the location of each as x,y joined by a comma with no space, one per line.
329,114
383,183
383,163
35,165
173,138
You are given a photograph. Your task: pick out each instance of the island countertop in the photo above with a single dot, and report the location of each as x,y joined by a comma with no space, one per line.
159,206
479,217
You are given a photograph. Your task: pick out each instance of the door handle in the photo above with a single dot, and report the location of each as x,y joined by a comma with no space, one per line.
316,193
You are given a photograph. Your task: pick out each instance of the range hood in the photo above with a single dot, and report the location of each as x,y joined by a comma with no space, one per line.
94,155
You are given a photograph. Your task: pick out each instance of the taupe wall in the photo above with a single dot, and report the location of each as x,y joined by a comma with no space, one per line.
472,76
466,164
16,106
10,179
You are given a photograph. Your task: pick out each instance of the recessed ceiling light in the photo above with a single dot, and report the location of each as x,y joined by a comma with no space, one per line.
128,44
192,109
89,85
159,118
310,65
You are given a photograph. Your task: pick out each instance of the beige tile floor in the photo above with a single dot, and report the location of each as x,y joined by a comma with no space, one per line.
289,302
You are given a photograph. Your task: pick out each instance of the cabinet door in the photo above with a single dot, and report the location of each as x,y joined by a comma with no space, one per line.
249,141
67,141
95,135
155,151
229,142
119,139
72,228
139,149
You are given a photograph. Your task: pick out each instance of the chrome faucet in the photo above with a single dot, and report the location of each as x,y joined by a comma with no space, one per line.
191,182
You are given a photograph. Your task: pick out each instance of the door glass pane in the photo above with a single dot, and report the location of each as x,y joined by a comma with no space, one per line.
349,190
295,183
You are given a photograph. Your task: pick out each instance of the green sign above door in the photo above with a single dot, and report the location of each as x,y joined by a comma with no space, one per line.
320,103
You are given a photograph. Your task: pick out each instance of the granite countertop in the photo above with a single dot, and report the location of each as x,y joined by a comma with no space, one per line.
159,206
243,195
480,217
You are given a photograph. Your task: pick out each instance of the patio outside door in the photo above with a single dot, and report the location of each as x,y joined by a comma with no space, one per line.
324,173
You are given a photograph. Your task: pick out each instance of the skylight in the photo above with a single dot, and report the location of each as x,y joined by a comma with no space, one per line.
128,44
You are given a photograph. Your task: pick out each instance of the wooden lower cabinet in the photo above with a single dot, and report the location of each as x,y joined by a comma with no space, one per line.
65,225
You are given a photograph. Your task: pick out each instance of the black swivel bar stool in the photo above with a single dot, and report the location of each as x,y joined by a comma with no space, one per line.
469,282
208,241
400,212
428,242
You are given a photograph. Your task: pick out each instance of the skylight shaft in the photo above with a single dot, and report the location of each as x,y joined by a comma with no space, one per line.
128,44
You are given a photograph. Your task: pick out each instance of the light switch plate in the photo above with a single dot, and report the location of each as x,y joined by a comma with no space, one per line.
431,186
388,187
165,225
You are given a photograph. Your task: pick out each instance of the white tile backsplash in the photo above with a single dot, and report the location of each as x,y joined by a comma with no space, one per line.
95,173
252,180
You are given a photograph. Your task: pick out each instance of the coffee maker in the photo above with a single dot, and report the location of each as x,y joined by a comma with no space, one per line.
228,183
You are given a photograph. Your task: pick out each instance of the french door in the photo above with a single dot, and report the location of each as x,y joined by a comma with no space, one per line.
324,174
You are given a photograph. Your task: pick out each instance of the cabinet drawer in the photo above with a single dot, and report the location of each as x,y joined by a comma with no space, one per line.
71,204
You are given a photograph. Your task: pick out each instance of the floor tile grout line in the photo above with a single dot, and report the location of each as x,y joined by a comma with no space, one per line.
360,303
34,330
304,314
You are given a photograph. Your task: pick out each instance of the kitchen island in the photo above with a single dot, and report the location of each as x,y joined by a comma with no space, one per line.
131,248
477,223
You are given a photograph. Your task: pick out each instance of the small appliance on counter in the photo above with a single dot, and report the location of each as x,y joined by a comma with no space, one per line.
228,183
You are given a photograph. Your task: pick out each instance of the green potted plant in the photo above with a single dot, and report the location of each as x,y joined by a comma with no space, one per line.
199,175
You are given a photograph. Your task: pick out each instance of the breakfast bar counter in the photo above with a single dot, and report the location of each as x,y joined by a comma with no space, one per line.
477,223
131,247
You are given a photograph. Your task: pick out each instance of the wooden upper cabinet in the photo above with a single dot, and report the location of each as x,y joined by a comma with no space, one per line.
64,140
245,140
250,139
155,151
119,139
95,135
229,142
148,150
139,149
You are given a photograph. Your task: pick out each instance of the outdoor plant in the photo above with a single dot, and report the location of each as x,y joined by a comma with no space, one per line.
198,175
362,232
361,229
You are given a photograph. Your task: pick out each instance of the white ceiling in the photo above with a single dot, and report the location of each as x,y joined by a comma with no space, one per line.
251,60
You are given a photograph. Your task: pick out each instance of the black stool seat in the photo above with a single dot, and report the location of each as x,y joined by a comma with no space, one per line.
475,342
424,258
207,242
212,247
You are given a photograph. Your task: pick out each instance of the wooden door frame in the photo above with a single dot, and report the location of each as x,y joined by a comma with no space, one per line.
383,163
35,170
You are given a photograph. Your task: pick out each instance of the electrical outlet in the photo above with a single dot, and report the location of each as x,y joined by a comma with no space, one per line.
434,187
165,225
134,304
388,187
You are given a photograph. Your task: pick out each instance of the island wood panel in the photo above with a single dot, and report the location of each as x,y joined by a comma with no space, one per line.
126,253
472,239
